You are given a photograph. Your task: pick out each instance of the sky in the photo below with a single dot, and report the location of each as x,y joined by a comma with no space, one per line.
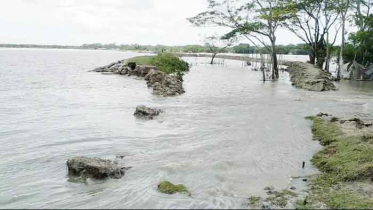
75,22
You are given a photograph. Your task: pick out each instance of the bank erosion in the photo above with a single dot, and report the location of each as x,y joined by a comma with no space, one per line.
303,75
163,73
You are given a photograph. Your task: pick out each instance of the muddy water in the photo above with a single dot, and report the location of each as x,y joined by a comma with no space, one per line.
226,139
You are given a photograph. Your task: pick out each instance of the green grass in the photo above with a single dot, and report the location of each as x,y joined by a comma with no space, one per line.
142,60
338,198
343,161
167,187
348,159
167,63
281,198
323,131
253,200
302,205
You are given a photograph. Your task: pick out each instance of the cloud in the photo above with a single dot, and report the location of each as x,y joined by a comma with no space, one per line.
107,21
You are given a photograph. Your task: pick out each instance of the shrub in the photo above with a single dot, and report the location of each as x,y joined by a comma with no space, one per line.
165,62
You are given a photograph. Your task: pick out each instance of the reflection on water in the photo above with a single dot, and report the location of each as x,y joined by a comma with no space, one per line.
226,139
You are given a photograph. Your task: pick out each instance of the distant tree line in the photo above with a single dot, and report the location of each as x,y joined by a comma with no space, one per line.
299,49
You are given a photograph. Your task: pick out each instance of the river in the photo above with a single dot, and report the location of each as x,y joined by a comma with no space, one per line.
229,136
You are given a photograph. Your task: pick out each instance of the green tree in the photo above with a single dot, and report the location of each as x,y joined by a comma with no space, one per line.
215,44
257,20
311,20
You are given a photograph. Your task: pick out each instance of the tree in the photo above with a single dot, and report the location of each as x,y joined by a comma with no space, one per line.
216,44
243,49
311,20
257,20
343,8
360,46
361,41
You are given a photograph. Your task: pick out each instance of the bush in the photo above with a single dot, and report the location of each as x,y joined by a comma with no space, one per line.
167,187
167,63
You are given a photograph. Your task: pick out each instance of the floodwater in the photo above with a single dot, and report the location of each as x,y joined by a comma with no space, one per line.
229,136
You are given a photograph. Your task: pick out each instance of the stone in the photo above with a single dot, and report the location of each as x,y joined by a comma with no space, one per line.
164,84
269,188
146,113
86,167
266,205
132,65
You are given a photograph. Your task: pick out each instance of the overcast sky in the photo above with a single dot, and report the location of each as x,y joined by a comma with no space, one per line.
75,22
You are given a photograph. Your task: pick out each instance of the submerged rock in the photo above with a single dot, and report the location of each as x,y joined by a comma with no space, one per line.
167,187
146,113
86,167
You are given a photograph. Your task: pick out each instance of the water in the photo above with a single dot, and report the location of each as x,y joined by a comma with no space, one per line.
226,139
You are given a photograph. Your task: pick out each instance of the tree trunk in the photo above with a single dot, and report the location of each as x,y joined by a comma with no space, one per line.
312,56
327,62
320,53
262,66
340,66
275,74
213,57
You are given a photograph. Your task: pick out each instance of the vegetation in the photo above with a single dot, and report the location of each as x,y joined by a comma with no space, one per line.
323,131
256,20
281,198
167,187
346,161
216,44
165,62
254,201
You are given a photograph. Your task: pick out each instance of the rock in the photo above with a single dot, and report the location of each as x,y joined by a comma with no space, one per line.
164,84
323,114
147,113
266,205
143,70
132,65
150,73
86,167
270,188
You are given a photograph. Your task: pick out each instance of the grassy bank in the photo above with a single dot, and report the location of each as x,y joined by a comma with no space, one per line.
167,63
346,163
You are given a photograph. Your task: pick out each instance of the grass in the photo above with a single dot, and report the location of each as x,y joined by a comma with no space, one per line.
343,161
303,204
167,63
167,187
142,60
281,198
253,200
324,131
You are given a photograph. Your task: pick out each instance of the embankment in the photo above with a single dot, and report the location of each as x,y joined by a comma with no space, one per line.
346,163
303,75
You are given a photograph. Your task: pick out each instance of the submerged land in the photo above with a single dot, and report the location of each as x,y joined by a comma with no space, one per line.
345,163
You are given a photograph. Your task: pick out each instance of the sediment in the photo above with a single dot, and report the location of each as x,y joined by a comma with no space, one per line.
306,76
